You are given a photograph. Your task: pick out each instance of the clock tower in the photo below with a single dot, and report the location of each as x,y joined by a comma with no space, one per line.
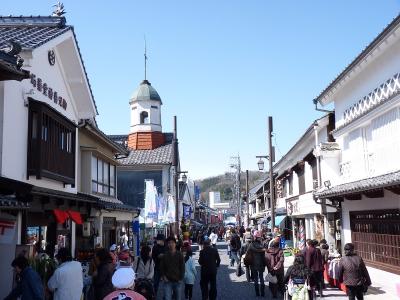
145,107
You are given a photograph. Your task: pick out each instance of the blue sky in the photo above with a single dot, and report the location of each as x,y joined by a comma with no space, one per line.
221,66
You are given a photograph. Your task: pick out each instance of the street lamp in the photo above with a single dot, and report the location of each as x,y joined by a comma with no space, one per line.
260,163
183,177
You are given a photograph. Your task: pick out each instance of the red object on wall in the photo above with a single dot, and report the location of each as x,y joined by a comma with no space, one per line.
61,216
75,216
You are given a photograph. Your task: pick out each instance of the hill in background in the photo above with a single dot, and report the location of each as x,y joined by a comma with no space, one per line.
225,184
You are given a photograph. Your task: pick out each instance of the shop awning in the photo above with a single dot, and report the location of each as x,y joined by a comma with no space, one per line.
75,216
279,220
61,216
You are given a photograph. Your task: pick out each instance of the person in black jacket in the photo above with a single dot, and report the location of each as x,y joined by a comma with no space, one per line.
102,284
257,254
299,274
158,249
209,261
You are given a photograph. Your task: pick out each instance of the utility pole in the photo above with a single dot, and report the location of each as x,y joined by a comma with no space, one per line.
247,199
271,173
176,183
236,165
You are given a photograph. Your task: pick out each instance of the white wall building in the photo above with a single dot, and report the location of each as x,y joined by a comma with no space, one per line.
367,112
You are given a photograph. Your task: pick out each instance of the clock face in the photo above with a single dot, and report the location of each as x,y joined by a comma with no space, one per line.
52,57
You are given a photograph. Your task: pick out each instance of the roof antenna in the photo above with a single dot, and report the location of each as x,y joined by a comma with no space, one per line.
145,59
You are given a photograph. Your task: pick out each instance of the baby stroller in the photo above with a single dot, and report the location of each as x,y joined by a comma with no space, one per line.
299,289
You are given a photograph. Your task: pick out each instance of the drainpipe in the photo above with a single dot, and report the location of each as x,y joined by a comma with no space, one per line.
317,157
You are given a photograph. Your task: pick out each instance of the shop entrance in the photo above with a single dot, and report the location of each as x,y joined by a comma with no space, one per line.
376,237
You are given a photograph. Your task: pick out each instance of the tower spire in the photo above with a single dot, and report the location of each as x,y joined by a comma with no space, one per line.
145,59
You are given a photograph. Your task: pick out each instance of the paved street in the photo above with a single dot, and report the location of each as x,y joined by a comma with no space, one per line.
232,287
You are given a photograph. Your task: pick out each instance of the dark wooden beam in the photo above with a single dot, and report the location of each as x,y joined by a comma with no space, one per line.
353,197
374,194
394,189
60,201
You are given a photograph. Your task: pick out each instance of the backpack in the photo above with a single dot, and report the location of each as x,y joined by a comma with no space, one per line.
235,243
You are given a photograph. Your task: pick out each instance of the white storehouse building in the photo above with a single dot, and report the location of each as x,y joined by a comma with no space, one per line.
366,97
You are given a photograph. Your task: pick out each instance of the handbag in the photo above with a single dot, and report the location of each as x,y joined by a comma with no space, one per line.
290,287
239,270
248,258
271,278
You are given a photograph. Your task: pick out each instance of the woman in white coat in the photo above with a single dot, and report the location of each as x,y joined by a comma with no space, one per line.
143,264
190,271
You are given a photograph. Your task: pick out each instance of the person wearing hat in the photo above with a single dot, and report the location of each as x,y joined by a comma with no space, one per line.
158,249
67,280
123,281
172,270
113,254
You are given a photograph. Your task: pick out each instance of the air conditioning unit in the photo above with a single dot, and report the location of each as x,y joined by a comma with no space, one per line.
86,229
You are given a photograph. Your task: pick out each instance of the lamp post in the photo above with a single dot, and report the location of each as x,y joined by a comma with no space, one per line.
271,159
183,179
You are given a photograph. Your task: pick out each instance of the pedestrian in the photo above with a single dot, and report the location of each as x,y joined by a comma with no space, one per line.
29,286
256,252
123,281
324,247
113,254
243,251
190,271
144,264
299,274
247,235
172,269
242,230
101,284
276,231
274,261
228,235
67,281
156,252
314,262
214,238
209,261
235,246
353,273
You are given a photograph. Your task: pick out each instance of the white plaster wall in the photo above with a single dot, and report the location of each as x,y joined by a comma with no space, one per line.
330,168
389,201
154,116
14,156
380,69
308,177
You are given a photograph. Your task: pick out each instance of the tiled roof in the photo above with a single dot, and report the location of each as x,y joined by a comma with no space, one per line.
11,202
34,31
361,56
159,156
368,184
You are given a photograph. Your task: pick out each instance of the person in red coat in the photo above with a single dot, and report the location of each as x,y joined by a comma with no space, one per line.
314,262
274,260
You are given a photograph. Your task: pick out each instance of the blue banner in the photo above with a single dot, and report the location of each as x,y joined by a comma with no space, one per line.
196,193
187,209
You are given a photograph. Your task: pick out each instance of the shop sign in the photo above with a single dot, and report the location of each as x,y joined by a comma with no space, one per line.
47,91
293,207
7,231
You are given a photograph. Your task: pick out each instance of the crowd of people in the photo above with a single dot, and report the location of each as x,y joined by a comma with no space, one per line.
167,270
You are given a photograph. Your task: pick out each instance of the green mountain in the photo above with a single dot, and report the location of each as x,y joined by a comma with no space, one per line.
225,184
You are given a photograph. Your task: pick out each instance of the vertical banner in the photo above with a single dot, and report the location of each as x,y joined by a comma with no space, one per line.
186,211
171,209
150,205
196,193
136,232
